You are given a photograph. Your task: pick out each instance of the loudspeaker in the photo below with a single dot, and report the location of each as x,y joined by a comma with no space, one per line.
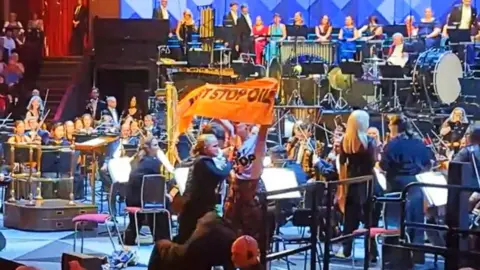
86,261
9,265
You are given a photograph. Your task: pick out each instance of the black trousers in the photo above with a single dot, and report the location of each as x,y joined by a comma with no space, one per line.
158,224
356,207
76,42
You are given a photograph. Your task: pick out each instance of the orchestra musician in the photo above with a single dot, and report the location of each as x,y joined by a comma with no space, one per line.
206,174
36,133
148,164
454,128
300,149
401,164
114,150
358,151
230,24
95,105
260,32
324,30
298,19
133,111
410,27
69,131
277,33
370,31
373,133
34,108
347,36
78,124
135,129
430,29
244,31
87,121
149,127
111,110
19,135
397,52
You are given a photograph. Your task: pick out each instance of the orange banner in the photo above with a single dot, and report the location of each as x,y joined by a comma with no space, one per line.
248,102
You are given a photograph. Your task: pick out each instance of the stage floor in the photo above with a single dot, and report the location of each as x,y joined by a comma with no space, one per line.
44,250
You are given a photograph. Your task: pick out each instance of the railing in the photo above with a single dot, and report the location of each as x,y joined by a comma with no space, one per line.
451,252
314,225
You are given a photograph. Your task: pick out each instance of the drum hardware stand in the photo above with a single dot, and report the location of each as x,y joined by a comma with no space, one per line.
429,101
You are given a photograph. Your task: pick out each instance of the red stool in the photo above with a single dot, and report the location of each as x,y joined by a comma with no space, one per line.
94,218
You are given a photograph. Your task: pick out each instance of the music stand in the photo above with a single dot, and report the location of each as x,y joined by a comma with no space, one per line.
435,196
354,69
393,73
460,37
381,179
278,179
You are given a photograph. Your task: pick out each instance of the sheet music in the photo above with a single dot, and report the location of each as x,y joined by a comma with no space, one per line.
280,178
434,196
93,142
381,179
181,176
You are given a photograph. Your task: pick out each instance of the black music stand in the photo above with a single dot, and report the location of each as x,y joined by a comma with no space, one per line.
393,73
458,38
354,69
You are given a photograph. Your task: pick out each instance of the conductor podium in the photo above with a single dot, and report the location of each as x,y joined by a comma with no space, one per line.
46,171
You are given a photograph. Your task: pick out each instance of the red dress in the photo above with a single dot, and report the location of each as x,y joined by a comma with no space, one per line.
260,41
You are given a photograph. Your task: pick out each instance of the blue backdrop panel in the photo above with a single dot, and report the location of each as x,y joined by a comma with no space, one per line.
388,11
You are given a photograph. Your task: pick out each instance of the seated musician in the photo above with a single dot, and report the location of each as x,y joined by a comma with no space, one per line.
347,36
148,164
78,124
260,32
19,135
403,158
149,128
430,29
114,150
69,131
371,31
135,129
397,54
87,123
373,133
52,169
324,30
36,133
301,149
454,127
412,30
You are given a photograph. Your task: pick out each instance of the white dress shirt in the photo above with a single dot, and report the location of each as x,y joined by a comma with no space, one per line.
164,12
114,114
465,22
234,16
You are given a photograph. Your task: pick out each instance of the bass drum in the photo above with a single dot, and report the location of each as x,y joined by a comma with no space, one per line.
438,71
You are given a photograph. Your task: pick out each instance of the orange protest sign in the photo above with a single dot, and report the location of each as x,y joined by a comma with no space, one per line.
248,102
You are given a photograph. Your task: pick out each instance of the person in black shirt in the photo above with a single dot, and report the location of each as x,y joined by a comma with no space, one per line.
209,245
403,158
454,128
207,171
357,158
148,164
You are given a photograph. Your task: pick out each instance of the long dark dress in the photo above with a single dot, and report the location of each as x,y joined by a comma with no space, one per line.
200,194
358,164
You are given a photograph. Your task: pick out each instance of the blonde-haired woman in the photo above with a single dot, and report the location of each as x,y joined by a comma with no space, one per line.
356,158
206,173
186,29
454,128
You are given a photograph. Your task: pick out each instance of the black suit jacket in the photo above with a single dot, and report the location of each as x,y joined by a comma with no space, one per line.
106,111
101,106
456,15
230,29
158,14
244,34
82,17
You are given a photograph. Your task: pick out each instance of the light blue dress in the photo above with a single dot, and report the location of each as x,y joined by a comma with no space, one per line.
272,50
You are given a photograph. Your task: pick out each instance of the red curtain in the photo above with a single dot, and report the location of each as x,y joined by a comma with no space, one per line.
58,17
